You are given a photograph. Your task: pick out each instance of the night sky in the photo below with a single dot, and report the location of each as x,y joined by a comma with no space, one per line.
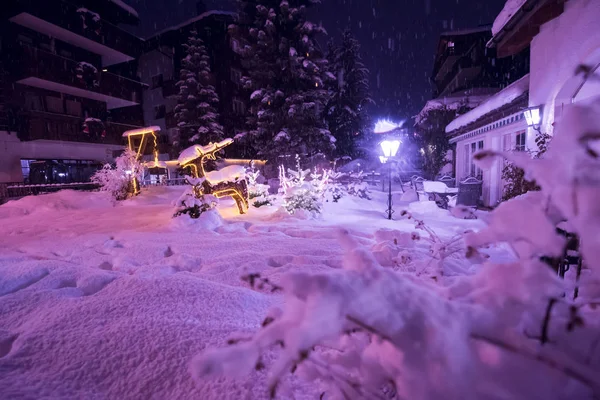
398,38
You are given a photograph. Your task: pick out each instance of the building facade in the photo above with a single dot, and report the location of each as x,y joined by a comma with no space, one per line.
160,66
563,40
68,87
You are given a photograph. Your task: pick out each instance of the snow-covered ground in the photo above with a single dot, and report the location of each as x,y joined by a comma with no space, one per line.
111,302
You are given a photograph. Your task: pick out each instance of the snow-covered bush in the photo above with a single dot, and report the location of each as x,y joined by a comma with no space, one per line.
358,187
515,183
302,198
193,201
299,193
335,190
513,330
119,180
258,193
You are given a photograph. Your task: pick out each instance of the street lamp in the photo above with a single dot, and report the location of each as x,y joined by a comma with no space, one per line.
533,116
390,148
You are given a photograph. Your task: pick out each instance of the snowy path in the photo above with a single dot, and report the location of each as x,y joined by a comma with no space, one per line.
102,302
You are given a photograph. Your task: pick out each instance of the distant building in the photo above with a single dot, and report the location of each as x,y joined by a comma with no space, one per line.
68,87
559,36
465,66
160,67
466,73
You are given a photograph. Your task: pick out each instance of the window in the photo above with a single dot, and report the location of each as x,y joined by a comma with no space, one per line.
33,102
25,169
157,81
472,164
46,46
235,45
74,108
54,104
238,106
466,161
24,39
160,111
470,169
520,141
236,75
65,53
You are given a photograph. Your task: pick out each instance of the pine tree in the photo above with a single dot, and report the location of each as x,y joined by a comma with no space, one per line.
346,113
431,136
286,76
197,101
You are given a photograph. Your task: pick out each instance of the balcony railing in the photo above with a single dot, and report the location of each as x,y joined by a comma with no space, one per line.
37,63
40,125
461,64
79,22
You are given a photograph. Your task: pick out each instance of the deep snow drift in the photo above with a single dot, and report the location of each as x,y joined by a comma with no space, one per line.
111,302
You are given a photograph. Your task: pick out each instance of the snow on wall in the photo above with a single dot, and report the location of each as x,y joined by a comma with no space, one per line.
571,39
510,8
126,7
505,96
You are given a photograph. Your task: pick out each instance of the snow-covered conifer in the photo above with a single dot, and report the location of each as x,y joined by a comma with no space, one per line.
196,110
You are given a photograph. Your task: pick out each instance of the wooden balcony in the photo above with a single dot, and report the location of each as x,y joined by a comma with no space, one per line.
39,125
39,68
78,27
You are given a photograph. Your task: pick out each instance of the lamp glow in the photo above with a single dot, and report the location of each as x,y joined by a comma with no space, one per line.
390,147
383,159
533,117
384,126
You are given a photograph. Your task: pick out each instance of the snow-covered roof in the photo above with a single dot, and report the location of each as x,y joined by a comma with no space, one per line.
459,32
195,19
453,102
126,7
510,8
504,97
195,151
156,164
141,131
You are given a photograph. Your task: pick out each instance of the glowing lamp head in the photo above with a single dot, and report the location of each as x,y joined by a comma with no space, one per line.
533,116
384,126
390,147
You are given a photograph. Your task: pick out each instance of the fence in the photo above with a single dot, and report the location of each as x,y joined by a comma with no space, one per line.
16,190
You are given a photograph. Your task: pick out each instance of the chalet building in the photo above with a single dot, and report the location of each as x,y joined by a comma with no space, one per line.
160,66
68,87
560,36
465,66
466,73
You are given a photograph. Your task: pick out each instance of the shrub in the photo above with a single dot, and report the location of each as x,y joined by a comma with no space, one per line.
119,180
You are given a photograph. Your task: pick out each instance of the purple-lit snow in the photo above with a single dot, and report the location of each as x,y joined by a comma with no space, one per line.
103,301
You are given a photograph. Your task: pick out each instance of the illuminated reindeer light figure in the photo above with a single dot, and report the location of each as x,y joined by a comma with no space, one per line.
227,182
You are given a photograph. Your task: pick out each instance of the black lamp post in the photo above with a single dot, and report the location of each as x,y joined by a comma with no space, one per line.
390,148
